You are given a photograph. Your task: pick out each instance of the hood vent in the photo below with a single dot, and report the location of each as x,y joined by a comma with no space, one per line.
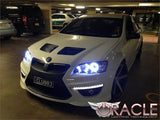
70,51
48,47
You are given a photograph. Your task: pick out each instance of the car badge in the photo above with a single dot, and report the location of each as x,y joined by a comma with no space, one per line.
48,59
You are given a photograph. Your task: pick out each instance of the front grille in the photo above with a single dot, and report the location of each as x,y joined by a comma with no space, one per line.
54,73
37,64
52,67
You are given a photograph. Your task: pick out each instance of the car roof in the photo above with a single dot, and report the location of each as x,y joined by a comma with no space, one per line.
104,15
59,14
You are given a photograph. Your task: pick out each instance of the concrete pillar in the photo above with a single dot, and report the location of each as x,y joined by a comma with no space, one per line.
91,11
46,10
159,35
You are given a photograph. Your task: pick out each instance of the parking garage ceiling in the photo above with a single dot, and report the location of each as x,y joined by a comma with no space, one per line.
87,0
90,3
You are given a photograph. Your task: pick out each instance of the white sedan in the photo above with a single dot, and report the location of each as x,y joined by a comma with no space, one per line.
6,28
61,19
87,61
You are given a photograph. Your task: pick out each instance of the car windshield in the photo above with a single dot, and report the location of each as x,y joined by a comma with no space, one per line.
71,16
97,27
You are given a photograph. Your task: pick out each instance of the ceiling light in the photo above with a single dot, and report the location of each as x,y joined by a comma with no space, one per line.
159,12
98,9
101,11
60,11
80,7
145,4
111,12
71,5
63,4
67,8
79,11
12,7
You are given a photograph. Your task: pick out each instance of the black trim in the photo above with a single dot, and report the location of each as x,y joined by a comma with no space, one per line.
23,76
48,47
53,74
70,51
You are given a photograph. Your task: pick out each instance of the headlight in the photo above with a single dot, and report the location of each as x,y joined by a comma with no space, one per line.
90,68
27,57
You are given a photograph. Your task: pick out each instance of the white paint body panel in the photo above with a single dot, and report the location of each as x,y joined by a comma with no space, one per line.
66,20
114,50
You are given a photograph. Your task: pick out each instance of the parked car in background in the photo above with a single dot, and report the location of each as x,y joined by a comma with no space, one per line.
26,18
87,61
6,28
60,19
77,15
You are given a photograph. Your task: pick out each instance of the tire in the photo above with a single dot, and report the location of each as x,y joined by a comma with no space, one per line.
7,37
139,51
119,82
20,30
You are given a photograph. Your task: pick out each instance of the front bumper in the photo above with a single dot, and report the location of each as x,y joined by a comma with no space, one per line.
73,90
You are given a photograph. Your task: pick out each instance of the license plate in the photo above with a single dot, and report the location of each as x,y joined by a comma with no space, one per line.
36,24
40,81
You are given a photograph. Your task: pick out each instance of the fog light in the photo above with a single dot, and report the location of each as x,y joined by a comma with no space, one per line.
89,90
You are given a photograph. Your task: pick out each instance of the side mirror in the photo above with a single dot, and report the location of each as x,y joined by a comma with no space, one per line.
65,24
133,36
139,29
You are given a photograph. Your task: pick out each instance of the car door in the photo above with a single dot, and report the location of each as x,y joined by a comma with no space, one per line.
69,18
54,20
132,42
138,37
60,20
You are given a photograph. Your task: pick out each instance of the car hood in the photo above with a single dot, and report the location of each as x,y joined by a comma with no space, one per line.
91,48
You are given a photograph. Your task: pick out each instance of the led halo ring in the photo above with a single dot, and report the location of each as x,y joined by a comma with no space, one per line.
91,68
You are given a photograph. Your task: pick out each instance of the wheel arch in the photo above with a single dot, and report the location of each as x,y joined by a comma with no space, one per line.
125,69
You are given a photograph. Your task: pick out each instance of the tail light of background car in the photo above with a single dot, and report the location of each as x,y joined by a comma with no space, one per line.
24,19
11,23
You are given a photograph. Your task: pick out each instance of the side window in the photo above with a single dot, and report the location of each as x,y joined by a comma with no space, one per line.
61,17
71,16
130,28
54,17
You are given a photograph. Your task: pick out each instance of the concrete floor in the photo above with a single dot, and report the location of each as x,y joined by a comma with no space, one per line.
16,103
